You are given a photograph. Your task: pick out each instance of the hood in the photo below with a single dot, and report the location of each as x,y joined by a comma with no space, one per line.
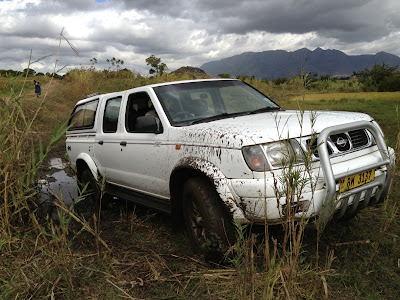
265,127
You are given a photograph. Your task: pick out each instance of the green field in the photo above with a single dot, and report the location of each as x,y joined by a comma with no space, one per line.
128,252
383,107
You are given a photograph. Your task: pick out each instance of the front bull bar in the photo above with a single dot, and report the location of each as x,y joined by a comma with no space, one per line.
330,179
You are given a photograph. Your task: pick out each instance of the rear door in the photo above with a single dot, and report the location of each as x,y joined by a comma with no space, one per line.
107,142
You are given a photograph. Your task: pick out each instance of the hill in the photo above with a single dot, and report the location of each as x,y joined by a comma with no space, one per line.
196,73
280,63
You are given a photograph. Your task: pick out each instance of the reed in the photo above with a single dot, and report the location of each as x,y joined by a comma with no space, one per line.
129,252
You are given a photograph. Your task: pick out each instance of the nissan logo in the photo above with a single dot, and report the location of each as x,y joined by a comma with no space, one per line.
341,142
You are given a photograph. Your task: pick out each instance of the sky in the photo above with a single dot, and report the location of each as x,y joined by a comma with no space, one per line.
186,32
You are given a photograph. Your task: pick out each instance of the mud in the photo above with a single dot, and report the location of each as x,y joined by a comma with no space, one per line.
57,185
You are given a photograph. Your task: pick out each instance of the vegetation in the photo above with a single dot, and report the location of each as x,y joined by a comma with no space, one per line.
112,62
224,75
157,67
381,78
382,106
5,73
130,252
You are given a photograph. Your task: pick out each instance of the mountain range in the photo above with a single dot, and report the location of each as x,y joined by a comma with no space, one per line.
280,63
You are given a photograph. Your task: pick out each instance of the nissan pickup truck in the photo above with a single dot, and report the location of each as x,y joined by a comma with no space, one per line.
217,151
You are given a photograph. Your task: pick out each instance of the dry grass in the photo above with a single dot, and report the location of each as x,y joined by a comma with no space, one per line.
131,253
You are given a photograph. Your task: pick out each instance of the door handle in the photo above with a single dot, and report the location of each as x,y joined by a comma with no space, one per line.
100,142
123,143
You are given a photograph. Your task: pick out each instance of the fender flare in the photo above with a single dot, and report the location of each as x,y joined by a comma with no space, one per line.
88,160
220,182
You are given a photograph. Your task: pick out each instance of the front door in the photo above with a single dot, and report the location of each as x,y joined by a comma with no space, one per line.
143,156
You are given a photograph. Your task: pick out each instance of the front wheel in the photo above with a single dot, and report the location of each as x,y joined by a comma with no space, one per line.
207,219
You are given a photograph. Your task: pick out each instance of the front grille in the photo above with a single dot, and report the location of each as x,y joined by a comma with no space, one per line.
359,138
340,143
313,148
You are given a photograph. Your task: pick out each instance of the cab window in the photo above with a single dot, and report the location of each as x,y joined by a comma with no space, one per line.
111,115
83,116
139,105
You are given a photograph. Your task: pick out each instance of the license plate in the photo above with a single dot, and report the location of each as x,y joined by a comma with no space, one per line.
356,180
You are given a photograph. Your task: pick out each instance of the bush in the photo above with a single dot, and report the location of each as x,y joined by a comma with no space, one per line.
390,83
381,78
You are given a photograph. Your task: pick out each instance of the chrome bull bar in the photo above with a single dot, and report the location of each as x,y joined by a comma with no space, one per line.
329,204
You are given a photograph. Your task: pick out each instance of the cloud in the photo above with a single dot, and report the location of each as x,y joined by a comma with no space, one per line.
347,21
341,17
192,32
177,8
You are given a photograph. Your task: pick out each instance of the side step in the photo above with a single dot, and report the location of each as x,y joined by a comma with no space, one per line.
162,205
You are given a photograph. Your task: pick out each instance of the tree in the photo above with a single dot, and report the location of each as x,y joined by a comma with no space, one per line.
115,62
325,77
224,75
93,61
380,78
30,71
390,83
157,67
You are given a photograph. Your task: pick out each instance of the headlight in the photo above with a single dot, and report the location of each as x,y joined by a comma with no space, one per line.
276,154
255,158
282,153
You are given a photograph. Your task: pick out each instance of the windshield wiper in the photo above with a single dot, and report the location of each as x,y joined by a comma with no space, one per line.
211,118
226,115
264,109
218,117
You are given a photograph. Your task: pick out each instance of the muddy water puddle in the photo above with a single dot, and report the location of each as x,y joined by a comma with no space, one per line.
58,185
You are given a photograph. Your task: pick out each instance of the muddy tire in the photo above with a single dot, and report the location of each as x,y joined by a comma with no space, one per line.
93,193
207,220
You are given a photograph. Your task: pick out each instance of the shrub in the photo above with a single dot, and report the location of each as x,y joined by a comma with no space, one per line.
390,83
380,78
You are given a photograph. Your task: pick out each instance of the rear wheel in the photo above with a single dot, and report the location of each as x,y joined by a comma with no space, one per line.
93,195
207,219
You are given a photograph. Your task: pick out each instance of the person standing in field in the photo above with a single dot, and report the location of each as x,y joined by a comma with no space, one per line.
38,90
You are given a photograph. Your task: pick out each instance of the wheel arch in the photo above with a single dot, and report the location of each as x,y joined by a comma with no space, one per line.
85,161
194,167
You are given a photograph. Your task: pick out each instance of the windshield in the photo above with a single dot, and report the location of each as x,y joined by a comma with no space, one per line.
204,101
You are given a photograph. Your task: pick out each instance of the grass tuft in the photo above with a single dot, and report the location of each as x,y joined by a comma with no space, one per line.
128,252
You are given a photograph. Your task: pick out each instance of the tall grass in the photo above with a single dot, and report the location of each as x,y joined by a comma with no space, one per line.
37,260
279,266
19,161
21,231
276,267
86,81
133,255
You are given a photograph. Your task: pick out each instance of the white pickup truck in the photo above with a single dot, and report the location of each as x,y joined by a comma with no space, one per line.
211,152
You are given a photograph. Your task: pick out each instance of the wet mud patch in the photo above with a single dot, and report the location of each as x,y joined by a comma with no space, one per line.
56,185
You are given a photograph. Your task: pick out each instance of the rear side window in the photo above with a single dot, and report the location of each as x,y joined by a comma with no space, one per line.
83,115
111,114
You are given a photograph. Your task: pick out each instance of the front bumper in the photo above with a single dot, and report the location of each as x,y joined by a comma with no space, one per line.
272,208
266,199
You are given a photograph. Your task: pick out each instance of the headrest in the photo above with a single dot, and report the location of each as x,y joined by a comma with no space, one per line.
198,106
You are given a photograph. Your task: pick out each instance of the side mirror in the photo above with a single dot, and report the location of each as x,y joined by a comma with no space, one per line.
148,124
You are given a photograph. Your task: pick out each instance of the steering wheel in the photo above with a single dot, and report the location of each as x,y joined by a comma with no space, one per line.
178,116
